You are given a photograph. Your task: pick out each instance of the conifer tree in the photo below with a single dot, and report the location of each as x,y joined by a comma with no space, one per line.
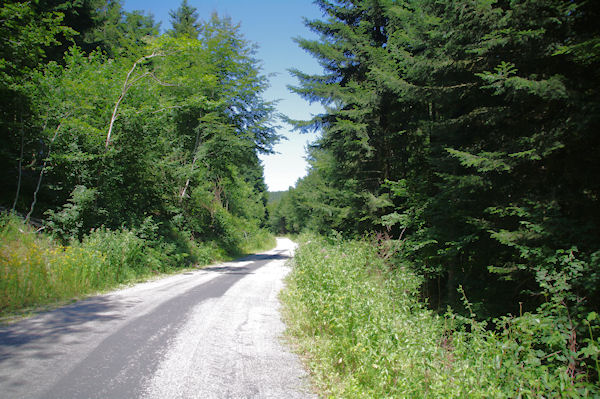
466,129
185,21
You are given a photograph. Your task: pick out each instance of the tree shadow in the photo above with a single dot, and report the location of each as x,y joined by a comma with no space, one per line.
49,327
231,268
264,257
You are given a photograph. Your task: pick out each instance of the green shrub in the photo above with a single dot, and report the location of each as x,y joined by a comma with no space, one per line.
204,253
225,228
76,217
366,334
127,255
253,238
238,235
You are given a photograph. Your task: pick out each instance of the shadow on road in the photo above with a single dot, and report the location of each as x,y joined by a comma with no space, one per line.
262,258
267,257
51,326
37,334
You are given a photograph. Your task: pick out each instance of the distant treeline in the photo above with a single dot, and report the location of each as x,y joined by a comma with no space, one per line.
275,196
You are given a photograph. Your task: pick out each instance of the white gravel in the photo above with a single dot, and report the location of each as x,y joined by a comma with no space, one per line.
231,346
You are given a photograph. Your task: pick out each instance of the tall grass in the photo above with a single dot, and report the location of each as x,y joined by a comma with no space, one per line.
238,236
364,334
35,269
257,240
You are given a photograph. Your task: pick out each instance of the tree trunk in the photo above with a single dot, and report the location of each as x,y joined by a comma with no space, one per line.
39,183
451,285
187,183
14,206
126,86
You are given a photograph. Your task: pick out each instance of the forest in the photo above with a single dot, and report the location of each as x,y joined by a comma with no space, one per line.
130,151
460,142
449,223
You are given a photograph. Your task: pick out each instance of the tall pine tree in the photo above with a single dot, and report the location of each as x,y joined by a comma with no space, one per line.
185,21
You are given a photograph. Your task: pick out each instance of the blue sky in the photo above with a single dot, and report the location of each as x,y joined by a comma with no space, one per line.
271,24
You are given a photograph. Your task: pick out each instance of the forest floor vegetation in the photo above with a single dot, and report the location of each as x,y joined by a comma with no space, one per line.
364,332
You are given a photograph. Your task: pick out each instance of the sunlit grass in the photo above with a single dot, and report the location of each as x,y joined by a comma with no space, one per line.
364,334
36,270
260,240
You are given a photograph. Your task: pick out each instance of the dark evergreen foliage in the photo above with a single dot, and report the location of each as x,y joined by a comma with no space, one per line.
185,21
467,131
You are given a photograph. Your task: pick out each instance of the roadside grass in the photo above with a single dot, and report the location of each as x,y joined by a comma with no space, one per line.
37,272
364,334
260,240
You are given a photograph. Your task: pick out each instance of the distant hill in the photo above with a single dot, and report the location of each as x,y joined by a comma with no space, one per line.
275,196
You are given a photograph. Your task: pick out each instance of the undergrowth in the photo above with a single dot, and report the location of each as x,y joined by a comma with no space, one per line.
37,269
364,334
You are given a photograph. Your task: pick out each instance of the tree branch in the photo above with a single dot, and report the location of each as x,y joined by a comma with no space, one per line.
126,85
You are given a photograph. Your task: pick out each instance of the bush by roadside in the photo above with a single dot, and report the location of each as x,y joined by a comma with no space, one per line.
365,334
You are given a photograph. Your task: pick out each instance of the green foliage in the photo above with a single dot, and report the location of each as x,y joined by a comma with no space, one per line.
165,126
275,196
37,270
30,34
122,33
366,334
68,223
467,130
140,147
185,21
129,255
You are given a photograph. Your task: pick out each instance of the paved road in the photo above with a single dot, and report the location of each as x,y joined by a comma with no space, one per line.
212,333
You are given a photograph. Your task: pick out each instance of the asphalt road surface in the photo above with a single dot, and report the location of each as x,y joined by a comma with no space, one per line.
211,333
